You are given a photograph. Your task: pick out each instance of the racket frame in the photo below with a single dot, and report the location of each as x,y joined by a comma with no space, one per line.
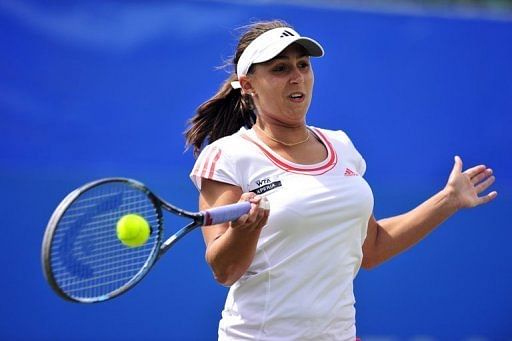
198,219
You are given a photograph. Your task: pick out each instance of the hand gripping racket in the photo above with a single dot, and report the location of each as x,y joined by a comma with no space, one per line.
84,261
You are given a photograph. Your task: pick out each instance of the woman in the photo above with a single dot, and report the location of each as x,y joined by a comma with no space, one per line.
290,269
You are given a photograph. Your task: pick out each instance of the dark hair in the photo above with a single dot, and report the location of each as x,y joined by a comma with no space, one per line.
227,111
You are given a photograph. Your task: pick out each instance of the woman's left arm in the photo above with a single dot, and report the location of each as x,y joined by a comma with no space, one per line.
388,237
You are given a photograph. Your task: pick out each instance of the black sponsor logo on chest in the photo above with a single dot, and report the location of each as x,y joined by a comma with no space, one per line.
266,185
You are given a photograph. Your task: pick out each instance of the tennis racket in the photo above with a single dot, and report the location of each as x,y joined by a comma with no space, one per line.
84,261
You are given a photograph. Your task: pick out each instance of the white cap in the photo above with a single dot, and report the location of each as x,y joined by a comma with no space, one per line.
270,44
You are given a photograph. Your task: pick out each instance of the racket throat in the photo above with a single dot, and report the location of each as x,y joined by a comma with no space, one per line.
177,236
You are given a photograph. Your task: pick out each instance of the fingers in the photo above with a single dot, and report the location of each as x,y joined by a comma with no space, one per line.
484,184
259,210
475,174
474,171
468,185
457,167
244,197
247,196
486,198
485,173
264,204
255,219
257,216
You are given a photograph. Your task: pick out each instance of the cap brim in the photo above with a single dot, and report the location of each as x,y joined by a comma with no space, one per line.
312,47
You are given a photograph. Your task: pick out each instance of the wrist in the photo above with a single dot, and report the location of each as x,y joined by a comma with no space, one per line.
450,199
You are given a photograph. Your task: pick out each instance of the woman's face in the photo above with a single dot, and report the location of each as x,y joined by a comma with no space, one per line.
282,87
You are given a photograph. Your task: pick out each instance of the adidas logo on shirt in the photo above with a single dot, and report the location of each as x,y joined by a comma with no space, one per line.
350,172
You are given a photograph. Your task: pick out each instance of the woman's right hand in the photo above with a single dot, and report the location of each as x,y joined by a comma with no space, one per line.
230,247
257,216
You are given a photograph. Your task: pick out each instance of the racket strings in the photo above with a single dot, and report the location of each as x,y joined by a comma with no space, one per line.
97,228
88,260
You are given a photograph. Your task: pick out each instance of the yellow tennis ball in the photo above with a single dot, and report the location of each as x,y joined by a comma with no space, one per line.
133,230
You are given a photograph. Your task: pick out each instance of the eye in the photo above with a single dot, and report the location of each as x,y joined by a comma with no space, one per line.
303,65
279,68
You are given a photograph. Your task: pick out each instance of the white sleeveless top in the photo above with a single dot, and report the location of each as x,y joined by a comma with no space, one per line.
299,285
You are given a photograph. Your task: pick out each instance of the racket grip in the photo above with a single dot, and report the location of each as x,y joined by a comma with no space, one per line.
226,213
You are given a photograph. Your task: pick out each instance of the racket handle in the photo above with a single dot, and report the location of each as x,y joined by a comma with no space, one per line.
226,213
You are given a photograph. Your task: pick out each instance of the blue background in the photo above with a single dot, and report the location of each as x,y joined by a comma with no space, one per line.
104,88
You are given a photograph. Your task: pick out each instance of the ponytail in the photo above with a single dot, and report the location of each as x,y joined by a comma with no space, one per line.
222,115
227,111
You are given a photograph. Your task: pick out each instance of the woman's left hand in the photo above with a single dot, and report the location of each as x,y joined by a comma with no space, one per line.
465,187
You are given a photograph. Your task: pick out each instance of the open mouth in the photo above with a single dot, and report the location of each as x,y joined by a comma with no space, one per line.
297,96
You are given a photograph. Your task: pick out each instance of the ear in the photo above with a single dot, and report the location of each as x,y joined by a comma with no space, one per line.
245,83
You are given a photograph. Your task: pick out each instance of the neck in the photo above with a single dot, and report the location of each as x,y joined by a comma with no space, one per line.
288,137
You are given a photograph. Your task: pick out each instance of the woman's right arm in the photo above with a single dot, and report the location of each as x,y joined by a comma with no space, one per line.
230,247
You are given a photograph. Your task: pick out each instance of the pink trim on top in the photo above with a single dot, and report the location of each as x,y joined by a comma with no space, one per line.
214,162
315,169
206,169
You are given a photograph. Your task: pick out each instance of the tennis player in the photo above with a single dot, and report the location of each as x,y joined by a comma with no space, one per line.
291,268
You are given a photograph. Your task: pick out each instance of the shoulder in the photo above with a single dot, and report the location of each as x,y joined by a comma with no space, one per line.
229,152
340,140
334,135
231,145
344,146
220,161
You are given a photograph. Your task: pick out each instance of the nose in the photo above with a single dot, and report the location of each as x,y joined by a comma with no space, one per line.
296,76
